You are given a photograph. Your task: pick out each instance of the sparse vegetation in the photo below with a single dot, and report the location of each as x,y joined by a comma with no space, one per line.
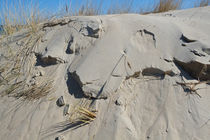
16,68
26,14
167,5
18,15
121,7
36,91
81,114
87,116
202,3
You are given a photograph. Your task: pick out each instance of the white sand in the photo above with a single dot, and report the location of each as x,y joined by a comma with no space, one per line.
131,63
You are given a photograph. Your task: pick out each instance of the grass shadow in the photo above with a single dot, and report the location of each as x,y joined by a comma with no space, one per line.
62,127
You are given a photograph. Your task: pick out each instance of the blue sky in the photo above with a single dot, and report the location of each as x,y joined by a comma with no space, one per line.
53,6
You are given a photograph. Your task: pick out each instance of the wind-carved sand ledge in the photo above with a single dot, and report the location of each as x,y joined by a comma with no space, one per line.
117,77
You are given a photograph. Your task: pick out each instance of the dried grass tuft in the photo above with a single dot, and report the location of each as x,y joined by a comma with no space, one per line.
167,5
87,116
202,3
19,15
35,92
17,67
121,7
82,114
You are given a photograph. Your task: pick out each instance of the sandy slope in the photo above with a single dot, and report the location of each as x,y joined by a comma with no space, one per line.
130,68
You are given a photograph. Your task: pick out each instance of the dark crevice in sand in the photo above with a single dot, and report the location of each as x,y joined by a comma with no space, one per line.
47,61
148,35
91,32
195,69
200,54
57,22
157,72
69,49
186,40
206,50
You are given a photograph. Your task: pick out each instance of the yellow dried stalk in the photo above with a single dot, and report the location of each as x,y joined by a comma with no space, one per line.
85,116
87,112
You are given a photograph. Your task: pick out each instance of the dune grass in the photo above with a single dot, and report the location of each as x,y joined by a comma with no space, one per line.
167,5
16,66
90,8
20,14
27,14
202,3
87,115
82,113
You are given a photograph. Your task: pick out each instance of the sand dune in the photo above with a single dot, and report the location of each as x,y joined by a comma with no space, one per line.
146,76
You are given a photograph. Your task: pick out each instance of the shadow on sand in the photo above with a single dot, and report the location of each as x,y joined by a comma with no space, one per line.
62,127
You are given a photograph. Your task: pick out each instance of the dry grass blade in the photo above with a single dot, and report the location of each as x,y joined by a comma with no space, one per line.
18,15
202,3
84,116
86,8
167,5
35,92
87,11
81,116
11,89
120,7
87,112
17,67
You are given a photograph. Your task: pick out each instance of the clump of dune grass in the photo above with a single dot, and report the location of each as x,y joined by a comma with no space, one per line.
18,61
202,3
86,115
18,15
35,92
82,113
87,8
17,66
167,5
120,7
20,90
91,7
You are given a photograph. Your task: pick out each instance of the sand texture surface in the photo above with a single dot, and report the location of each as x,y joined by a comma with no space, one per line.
135,76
